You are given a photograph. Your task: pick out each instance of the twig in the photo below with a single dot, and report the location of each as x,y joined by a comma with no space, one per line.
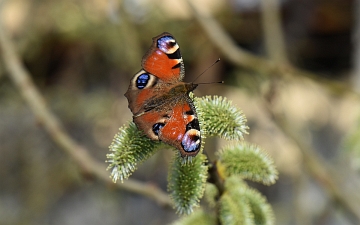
356,47
22,79
275,47
245,59
273,33
317,168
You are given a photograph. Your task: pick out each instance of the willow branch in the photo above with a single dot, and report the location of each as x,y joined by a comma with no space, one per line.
273,32
247,60
22,80
316,166
356,46
321,171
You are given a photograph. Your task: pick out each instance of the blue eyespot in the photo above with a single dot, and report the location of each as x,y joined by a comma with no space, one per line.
190,142
142,80
165,43
156,127
165,40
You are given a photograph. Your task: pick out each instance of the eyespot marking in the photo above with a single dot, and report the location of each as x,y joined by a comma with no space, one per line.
142,80
175,55
168,45
191,141
194,124
156,127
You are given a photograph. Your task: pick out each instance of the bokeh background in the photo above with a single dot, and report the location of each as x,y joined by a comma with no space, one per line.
302,105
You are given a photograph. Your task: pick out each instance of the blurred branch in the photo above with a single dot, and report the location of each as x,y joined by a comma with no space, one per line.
356,43
273,33
2,72
22,79
242,58
315,164
328,178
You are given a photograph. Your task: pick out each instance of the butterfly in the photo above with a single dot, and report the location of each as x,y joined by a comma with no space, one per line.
160,101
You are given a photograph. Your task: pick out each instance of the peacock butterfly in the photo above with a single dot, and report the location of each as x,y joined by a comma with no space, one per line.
160,101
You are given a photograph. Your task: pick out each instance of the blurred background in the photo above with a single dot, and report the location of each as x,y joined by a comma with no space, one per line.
302,106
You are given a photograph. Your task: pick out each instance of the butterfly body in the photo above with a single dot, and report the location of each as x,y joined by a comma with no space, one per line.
160,101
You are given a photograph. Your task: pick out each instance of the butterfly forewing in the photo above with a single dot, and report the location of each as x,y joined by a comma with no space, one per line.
164,59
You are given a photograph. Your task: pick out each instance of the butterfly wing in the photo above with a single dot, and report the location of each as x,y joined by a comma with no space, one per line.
182,130
176,125
143,87
164,59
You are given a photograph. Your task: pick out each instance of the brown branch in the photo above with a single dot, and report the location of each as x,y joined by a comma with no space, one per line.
326,177
320,170
315,164
240,57
22,79
355,75
273,32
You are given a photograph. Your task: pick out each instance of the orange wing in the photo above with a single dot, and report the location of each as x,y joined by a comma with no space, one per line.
164,59
178,127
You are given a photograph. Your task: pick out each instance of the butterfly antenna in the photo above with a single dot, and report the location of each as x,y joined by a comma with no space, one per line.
216,82
207,70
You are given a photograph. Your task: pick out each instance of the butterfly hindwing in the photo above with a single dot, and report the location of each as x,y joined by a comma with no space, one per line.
182,130
177,126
